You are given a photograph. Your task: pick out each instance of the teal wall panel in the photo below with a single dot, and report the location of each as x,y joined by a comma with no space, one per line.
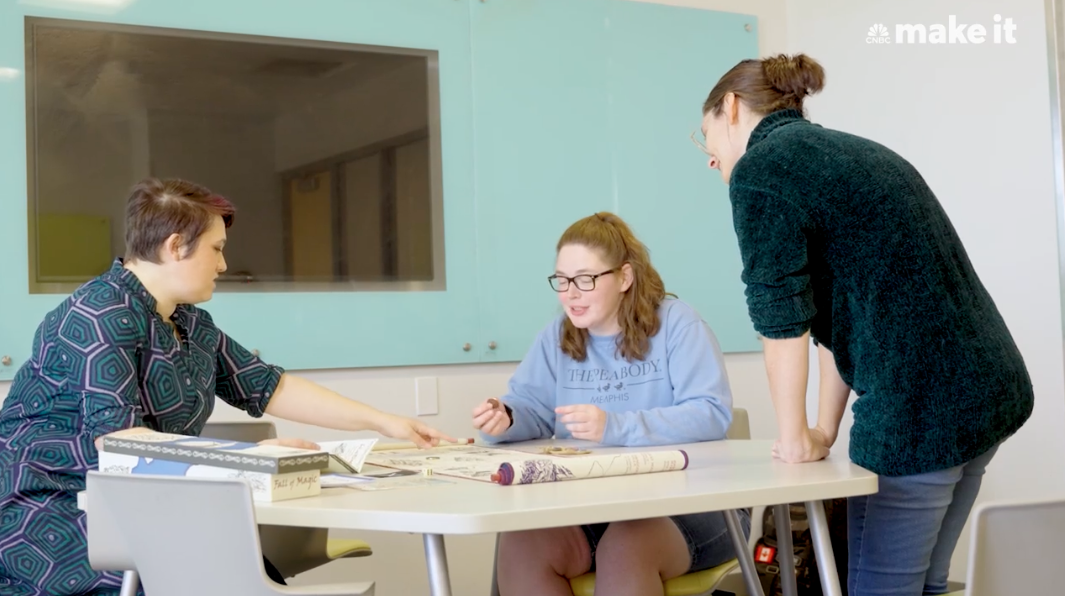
543,153
550,111
663,63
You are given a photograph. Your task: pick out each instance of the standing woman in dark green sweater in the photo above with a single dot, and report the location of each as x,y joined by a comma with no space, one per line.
843,242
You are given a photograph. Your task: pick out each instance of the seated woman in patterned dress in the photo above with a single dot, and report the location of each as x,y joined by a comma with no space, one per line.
129,349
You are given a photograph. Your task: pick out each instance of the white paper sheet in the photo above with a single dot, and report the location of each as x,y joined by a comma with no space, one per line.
352,452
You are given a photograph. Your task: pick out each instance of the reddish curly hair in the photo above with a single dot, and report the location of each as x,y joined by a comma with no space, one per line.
613,240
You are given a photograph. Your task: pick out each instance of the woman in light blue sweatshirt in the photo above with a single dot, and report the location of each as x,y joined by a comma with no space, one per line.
624,366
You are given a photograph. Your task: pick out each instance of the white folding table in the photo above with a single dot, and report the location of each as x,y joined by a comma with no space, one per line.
721,476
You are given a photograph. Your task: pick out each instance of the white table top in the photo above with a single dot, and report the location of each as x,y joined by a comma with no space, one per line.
720,475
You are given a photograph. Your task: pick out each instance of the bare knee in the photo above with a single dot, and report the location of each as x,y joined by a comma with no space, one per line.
562,551
643,546
625,545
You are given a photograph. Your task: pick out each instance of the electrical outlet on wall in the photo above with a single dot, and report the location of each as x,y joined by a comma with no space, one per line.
426,402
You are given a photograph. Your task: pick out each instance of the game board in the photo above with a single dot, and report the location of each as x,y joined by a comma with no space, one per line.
515,466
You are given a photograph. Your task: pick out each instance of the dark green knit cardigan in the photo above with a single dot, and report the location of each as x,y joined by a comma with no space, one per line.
842,237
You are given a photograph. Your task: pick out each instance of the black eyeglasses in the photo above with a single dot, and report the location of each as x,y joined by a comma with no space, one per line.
584,283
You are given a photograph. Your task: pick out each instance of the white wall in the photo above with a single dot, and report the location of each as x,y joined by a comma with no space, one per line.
975,121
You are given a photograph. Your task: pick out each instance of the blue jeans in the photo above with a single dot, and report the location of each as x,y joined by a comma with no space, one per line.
900,539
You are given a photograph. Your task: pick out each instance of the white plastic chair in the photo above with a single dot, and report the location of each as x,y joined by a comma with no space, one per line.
1015,548
185,536
290,550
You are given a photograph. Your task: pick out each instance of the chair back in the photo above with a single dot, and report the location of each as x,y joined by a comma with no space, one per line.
108,548
182,535
1015,548
291,550
741,425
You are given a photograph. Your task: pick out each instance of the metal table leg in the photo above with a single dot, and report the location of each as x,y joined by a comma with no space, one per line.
436,561
826,559
495,568
785,550
130,583
750,574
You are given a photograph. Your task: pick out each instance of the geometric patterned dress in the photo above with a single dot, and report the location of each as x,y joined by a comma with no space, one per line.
103,360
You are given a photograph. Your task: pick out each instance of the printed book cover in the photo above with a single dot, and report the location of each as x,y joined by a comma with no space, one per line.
251,457
264,487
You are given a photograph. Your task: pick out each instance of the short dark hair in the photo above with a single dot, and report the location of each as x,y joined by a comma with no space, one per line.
158,208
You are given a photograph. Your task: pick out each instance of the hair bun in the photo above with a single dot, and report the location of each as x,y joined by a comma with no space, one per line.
797,75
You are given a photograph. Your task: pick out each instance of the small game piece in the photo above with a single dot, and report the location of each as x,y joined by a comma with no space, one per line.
554,450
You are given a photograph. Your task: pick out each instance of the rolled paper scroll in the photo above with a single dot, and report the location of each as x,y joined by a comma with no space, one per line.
555,469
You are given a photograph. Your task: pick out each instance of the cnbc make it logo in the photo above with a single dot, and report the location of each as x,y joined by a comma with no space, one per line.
1001,30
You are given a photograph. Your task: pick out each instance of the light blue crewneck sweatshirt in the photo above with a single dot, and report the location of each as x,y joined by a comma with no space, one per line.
679,393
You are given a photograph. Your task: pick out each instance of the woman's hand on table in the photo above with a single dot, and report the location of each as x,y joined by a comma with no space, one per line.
294,443
134,430
491,418
812,445
408,429
584,421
